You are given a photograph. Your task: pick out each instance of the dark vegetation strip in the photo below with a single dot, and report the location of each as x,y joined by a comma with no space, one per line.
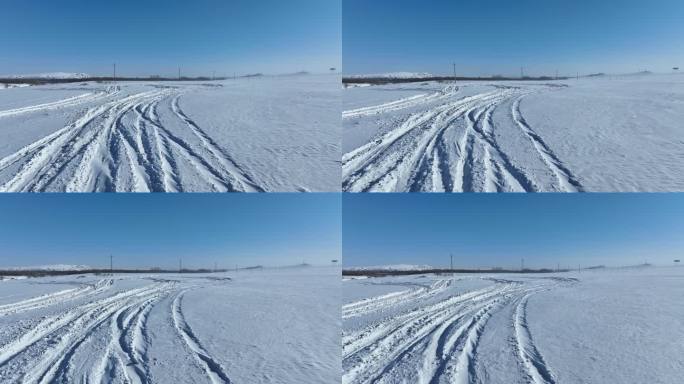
385,80
381,272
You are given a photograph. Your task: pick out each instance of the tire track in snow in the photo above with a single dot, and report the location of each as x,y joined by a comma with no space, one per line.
65,103
528,354
43,353
450,147
439,342
566,180
391,162
376,350
240,180
55,298
211,367
404,103
373,304
122,146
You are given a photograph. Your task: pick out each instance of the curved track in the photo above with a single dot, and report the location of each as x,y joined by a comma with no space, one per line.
437,340
121,144
98,333
448,143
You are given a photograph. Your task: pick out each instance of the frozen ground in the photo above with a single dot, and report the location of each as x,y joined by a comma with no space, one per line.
602,326
618,133
275,326
258,134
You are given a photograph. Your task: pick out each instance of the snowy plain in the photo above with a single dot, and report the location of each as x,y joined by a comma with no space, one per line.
271,133
270,325
594,326
608,133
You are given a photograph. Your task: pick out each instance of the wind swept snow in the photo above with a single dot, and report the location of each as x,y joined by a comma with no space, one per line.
182,328
569,136
594,326
245,135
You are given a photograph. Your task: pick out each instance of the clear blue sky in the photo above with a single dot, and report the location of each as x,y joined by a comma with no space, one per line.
500,36
155,37
157,229
484,230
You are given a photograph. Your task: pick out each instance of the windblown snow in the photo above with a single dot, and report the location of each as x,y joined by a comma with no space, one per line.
590,327
594,134
246,135
276,326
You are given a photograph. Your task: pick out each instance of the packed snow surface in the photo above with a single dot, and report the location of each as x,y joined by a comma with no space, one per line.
262,134
268,326
593,134
600,326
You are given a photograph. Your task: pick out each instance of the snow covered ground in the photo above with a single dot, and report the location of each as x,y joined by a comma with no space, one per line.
271,325
610,133
257,134
599,326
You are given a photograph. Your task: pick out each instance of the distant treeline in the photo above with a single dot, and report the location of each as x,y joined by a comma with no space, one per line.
384,272
387,80
39,81
40,273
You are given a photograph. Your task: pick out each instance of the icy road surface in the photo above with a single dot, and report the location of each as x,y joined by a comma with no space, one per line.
246,135
606,134
591,327
275,326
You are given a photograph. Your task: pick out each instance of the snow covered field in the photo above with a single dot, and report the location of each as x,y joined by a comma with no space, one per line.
620,133
276,326
256,134
600,326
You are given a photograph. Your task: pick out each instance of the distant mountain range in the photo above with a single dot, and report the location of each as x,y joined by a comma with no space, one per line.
53,267
52,75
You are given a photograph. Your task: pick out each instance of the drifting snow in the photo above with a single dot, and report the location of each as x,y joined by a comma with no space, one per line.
262,134
271,326
594,326
594,134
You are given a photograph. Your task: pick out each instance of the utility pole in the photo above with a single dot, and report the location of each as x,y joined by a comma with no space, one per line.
213,75
111,264
451,256
114,77
180,265
522,73
522,264
454,71
179,74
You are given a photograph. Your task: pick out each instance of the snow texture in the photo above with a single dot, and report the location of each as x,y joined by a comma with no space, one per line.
596,326
246,135
591,134
276,326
